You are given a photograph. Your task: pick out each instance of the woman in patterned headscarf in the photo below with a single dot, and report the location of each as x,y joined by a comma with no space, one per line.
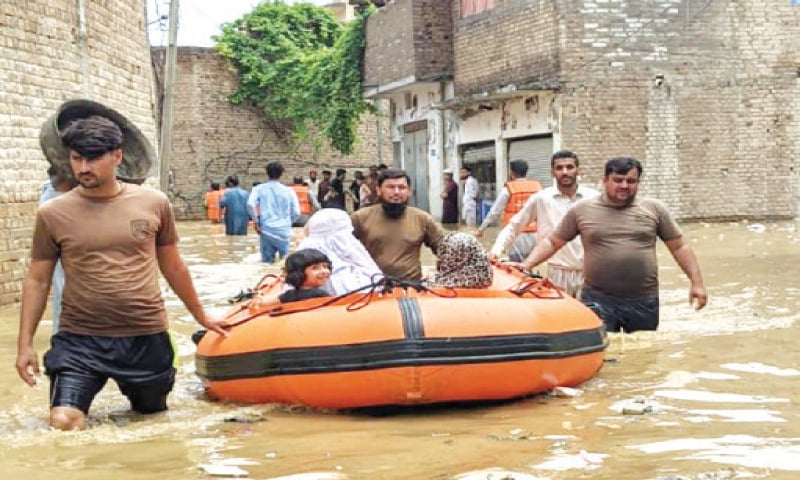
462,262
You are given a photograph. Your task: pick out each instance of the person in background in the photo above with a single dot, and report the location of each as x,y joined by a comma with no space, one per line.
211,203
274,207
308,203
313,184
619,232
392,232
330,231
449,198
368,191
324,187
546,208
234,207
510,201
355,189
61,181
462,262
112,239
307,270
335,196
469,201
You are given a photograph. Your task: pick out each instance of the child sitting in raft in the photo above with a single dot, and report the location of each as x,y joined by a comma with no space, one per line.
462,262
307,270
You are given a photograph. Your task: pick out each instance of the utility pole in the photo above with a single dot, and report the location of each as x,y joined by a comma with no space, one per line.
170,61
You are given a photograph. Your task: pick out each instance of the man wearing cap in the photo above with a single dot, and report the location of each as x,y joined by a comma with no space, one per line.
112,239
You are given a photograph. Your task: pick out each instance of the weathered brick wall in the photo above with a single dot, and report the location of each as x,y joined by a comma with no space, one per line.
409,38
718,135
45,59
514,43
704,93
389,54
213,138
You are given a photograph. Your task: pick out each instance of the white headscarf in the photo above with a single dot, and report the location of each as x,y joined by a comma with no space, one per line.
330,231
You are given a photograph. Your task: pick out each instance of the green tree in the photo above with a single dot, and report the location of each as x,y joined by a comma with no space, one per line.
302,67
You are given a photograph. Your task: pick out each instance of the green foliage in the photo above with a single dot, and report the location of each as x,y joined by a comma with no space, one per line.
301,66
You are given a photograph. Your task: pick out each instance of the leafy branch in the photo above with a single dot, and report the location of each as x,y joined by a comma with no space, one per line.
301,67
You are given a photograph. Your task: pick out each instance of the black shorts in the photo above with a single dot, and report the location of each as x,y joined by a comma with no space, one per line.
620,313
80,365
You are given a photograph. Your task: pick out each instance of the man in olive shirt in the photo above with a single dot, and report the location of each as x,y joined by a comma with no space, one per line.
619,232
392,232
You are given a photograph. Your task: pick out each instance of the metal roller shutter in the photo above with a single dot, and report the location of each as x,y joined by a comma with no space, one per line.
537,152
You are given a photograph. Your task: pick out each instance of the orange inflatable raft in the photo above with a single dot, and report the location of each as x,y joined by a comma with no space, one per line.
406,346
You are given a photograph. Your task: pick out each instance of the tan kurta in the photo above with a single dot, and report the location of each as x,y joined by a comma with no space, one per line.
395,244
108,250
619,243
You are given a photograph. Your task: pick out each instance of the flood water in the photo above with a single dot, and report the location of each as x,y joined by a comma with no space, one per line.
719,390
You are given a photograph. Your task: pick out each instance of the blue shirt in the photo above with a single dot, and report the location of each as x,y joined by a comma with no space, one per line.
277,208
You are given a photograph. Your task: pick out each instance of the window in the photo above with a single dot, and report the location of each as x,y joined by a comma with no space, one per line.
471,7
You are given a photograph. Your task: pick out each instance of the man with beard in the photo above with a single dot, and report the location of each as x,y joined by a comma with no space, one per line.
546,208
392,232
619,232
112,239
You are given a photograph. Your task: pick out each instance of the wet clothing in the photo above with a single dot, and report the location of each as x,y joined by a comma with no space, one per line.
277,206
462,262
234,201
450,203
568,279
619,243
295,295
330,231
107,247
80,365
623,313
395,243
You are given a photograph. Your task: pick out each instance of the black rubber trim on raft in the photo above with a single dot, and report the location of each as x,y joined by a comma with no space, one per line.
400,353
412,318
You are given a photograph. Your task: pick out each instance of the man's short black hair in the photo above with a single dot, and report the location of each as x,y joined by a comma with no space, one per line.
92,137
274,170
622,165
564,154
392,173
519,168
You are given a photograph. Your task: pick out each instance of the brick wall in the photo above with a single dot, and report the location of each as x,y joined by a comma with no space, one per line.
409,38
213,138
704,93
515,43
701,92
45,59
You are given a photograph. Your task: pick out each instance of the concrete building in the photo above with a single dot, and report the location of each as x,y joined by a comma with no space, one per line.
703,93
52,51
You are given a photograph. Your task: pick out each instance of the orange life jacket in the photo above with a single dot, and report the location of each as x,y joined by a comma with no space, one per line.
212,204
302,197
519,191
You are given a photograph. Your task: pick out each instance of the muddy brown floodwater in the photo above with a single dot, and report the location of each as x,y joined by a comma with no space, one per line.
717,391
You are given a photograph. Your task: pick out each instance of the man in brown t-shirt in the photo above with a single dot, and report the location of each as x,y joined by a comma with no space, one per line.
392,232
112,239
618,232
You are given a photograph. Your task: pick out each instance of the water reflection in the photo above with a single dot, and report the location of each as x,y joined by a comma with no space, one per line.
719,384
